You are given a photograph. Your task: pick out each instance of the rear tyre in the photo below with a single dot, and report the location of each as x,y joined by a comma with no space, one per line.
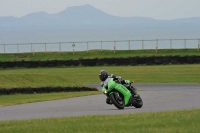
117,100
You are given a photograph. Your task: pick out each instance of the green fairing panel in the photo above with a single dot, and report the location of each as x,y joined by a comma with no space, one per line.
103,89
122,89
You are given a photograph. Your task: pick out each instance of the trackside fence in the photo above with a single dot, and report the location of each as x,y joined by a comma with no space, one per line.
102,45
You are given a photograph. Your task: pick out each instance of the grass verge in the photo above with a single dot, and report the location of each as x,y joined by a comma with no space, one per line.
78,76
6,100
186,121
95,54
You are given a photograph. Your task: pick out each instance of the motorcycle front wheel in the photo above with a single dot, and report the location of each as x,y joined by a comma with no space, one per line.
139,102
117,100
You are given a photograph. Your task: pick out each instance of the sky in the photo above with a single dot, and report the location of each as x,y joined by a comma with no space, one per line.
157,9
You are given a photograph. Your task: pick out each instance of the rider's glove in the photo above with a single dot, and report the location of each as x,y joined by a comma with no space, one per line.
123,81
102,83
120,80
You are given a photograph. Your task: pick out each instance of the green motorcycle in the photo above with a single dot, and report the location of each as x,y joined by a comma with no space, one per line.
119,95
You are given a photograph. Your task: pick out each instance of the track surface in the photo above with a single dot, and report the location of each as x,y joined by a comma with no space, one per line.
156,97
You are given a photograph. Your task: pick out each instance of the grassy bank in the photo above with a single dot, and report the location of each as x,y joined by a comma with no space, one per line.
78,76
95,54
162,122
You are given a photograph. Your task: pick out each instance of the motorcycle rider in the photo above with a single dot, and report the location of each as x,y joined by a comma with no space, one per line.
103,75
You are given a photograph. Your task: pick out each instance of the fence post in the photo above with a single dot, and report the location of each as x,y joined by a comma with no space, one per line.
114,46
101,46
73,45
59,47
129,45
4,48
31,47
18,48
185,43
156,45
87,46
199,45
45,48
171,44
142,44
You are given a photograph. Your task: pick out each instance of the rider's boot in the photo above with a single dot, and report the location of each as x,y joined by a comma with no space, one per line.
108,101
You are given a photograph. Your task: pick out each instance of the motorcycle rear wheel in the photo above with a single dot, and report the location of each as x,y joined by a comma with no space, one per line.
115,98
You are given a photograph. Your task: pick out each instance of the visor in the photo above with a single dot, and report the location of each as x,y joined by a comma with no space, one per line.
102,77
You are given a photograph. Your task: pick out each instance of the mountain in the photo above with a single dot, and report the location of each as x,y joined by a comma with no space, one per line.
85,15
84,23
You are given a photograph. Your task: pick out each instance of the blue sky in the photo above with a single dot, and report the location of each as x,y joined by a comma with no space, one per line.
158,9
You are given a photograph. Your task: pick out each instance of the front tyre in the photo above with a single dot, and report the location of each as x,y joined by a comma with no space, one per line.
138,103
117,100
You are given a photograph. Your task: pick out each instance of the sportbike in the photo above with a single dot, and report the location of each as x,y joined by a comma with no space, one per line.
120,95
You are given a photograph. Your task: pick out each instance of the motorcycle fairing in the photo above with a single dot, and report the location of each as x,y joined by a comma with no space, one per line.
110,84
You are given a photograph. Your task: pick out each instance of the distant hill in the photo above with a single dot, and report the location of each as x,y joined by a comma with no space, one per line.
86,23
88,16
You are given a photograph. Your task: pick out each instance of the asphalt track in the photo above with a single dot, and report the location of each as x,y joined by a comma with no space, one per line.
156,97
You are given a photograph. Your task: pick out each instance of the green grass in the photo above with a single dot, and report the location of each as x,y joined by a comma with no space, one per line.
165,122
95,54
186,121
78,76
6,100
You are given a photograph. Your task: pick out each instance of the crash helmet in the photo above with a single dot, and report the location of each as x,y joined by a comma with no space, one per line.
103,75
